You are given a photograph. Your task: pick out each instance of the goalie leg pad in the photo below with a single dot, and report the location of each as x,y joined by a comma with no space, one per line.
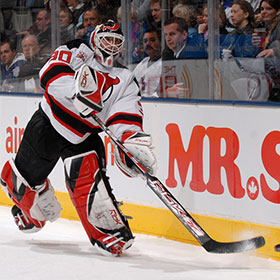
36,205
95,204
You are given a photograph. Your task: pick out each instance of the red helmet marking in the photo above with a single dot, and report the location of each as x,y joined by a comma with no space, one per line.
113,28
92,38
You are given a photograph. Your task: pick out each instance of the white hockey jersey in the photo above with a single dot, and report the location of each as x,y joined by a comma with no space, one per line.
148,76
122,108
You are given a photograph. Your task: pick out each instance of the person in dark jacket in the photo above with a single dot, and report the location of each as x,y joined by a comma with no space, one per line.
28,78
270,11
239,41
11,61
43,23
180,46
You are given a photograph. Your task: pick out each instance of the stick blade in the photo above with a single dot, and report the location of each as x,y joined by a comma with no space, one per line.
277,248
213,246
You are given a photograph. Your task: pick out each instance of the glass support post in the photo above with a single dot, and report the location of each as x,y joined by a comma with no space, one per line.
126,29
55,26
213,43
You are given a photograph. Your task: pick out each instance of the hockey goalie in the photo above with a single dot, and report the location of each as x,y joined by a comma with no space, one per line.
80,80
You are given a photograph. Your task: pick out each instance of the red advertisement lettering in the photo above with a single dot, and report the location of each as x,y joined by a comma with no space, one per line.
14,136
217,161
271,162
194,155
184,158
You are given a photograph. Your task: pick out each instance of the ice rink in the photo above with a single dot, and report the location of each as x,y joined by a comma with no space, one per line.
62,251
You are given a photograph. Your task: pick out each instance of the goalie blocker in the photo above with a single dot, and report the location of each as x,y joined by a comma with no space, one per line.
89,84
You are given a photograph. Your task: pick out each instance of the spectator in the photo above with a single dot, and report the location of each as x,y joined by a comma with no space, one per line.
91,18
108,9
203,27
7,18
48,4
197,4
148,71
134,29
155,6
199,17
255,4
89,4
223,22
76,8
7,31
243,17
11,61
239,41
189,15
258,19
270,10
176,37
43,34
227,5
68,29
1,22
28,78
142,9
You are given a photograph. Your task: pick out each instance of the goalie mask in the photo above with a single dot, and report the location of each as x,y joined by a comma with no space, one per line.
107,41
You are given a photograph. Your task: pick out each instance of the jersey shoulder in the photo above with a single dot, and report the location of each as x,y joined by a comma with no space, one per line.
123,73
117,64
75,44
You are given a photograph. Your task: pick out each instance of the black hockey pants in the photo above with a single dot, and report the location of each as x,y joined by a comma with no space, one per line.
42,146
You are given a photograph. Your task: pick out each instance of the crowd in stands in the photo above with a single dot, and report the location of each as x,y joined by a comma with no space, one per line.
247,28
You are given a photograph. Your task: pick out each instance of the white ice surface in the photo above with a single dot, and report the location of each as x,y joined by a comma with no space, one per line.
62,251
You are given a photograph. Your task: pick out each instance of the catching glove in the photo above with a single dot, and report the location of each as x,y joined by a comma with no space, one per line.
139,145
88,85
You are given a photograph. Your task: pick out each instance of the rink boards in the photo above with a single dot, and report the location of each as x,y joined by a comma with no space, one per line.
221,160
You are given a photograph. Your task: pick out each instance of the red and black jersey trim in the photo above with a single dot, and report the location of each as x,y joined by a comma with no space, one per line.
125,118
68,119
55,71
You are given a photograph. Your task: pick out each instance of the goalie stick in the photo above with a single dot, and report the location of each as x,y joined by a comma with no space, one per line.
209,244
277,248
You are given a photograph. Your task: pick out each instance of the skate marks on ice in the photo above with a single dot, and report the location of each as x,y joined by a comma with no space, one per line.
62,251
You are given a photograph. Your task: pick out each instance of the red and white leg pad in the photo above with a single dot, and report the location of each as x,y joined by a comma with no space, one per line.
34,205
95,204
